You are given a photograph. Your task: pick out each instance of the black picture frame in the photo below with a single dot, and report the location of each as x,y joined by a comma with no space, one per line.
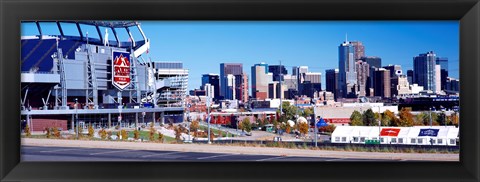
13,11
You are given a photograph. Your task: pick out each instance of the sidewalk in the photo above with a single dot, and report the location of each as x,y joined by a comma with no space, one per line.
238,150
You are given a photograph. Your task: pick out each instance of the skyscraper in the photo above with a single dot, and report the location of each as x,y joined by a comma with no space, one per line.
382,83
277,71
372,61
260,80
347,74
213,80
241,84
331,79
443,62
410,76
359,50
230,87
424,71
363,72
226,69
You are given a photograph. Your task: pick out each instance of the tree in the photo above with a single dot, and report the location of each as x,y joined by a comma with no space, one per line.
103,134
307,112
356,119
178,133
442,119
136,134
303,127
419,119
454,119
289,110
194,127
90,131
390,116
160,137
48,133
426,119
56,132
406,118
124,134
152,132
246,125
27,131
369,118
329,128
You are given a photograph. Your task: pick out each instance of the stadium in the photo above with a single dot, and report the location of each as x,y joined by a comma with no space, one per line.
95,72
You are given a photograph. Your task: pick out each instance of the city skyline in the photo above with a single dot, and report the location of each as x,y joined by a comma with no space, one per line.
303,43
202,45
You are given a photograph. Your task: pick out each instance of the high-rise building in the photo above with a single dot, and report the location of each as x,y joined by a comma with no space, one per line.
363,72
410,76
424,71
226,69
443,62
402,85
382,83
453,85
395,71
438,80
347,74
275,90
278,71
359,49
299,73
209,90
372,61
331,79
230,87
214,81
241,84
260,80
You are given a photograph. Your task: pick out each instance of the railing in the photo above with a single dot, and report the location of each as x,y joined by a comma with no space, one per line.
40,72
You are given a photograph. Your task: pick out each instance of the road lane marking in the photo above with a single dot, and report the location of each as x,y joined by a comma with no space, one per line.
279,157
338,159
209,157
109,152
161,154
58,150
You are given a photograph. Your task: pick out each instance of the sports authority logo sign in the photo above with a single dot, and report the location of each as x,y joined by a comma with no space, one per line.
389,132
121,69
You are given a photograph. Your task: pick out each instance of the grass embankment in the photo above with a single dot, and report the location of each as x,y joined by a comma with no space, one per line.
384,149
216,131
142,134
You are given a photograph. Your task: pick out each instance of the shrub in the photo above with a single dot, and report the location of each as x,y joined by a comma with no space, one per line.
90,131
27,131
118,135
161,138
152,133
178,133
194,127
136,134
124,134
48,134
212,136
80,131
56,132
103,134
109,134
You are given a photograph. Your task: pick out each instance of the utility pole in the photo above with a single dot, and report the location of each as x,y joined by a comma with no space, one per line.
76,117
208,118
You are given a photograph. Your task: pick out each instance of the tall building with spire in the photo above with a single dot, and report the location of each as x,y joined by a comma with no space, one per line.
347,81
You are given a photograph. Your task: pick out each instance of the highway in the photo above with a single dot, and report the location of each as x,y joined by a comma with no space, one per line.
49,153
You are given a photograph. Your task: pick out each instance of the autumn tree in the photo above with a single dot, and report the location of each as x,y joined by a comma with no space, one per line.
406,118
136,134
91,131
178,133
303,127
194,126
152,132
124,134
442,119
27,131
390,118
103,134
356,119
369,118
454,119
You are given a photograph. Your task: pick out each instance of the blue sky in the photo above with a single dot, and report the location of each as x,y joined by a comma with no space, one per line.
203,45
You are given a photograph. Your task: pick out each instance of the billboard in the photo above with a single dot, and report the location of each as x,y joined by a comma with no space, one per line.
428,132
120,69
389,132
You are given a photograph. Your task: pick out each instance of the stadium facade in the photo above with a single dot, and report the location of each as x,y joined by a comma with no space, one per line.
94,72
